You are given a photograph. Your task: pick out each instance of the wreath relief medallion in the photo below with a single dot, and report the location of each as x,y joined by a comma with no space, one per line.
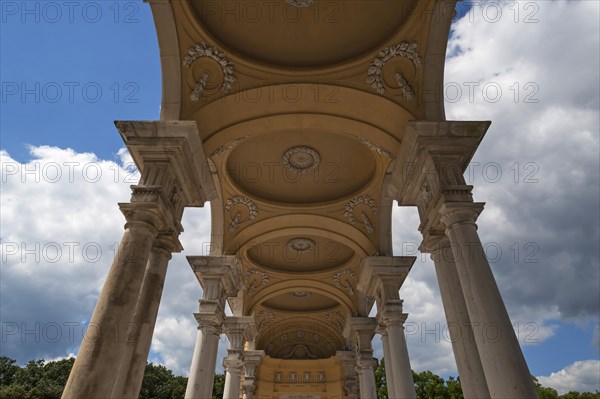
240,210
202,50
403,49
301,159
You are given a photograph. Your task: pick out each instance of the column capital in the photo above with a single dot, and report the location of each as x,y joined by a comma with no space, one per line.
167,241
239,329
148,216
460,212
382,276
392,318
217,275
233,363
210,322
253,357
248,389
366,362
360,330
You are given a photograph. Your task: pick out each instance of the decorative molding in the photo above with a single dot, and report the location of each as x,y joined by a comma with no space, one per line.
365,221
375,72
407,91
337,319
264,318
301,294
201,50
255,278
375,148
301,3
343,279
301,244
236,219
292,355
227,147
301,159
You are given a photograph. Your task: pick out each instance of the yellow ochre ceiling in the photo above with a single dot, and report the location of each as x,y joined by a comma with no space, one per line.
301,107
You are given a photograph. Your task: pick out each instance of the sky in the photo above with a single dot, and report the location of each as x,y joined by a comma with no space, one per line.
69,69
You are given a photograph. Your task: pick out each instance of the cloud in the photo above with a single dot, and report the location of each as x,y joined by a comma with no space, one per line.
532,69
537,166
582,376
60,228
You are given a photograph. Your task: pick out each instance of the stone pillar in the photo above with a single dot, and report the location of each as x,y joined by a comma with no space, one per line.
251,359
503,363
239,329
381,277
387,356
220,278
202,372
95,370
172,163
360,330
348,363
468,363
133,363
429,169
403,380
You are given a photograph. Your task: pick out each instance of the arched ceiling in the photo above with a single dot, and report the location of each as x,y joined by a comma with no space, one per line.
301,111
280,34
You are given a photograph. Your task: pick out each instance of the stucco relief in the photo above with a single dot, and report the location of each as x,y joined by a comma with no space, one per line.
375,72
202,50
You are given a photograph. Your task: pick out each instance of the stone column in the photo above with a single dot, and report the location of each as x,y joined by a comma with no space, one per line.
239,329
202,371
348,362
94,371
220,278
389,371
133,363
429,169
360,330
505,369
468,363
172,163
403,380
251,359
381,277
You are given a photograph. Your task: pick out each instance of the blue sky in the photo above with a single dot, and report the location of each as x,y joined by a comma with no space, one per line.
112,46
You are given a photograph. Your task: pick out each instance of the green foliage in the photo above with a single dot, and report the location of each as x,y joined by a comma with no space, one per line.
381,381
219,386
46,380
431,386
8,369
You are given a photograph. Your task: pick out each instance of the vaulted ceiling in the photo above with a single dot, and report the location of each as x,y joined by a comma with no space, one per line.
301,107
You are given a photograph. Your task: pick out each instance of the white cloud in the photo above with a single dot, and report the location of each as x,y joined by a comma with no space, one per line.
60,226
582,376
541,236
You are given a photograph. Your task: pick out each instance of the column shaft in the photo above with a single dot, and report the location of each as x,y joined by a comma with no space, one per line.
366,379
506,372
133,364
470,370
204,360
389,369
403,379
94,371
233,382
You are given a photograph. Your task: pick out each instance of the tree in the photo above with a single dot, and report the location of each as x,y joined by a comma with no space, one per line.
219,386
8,369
